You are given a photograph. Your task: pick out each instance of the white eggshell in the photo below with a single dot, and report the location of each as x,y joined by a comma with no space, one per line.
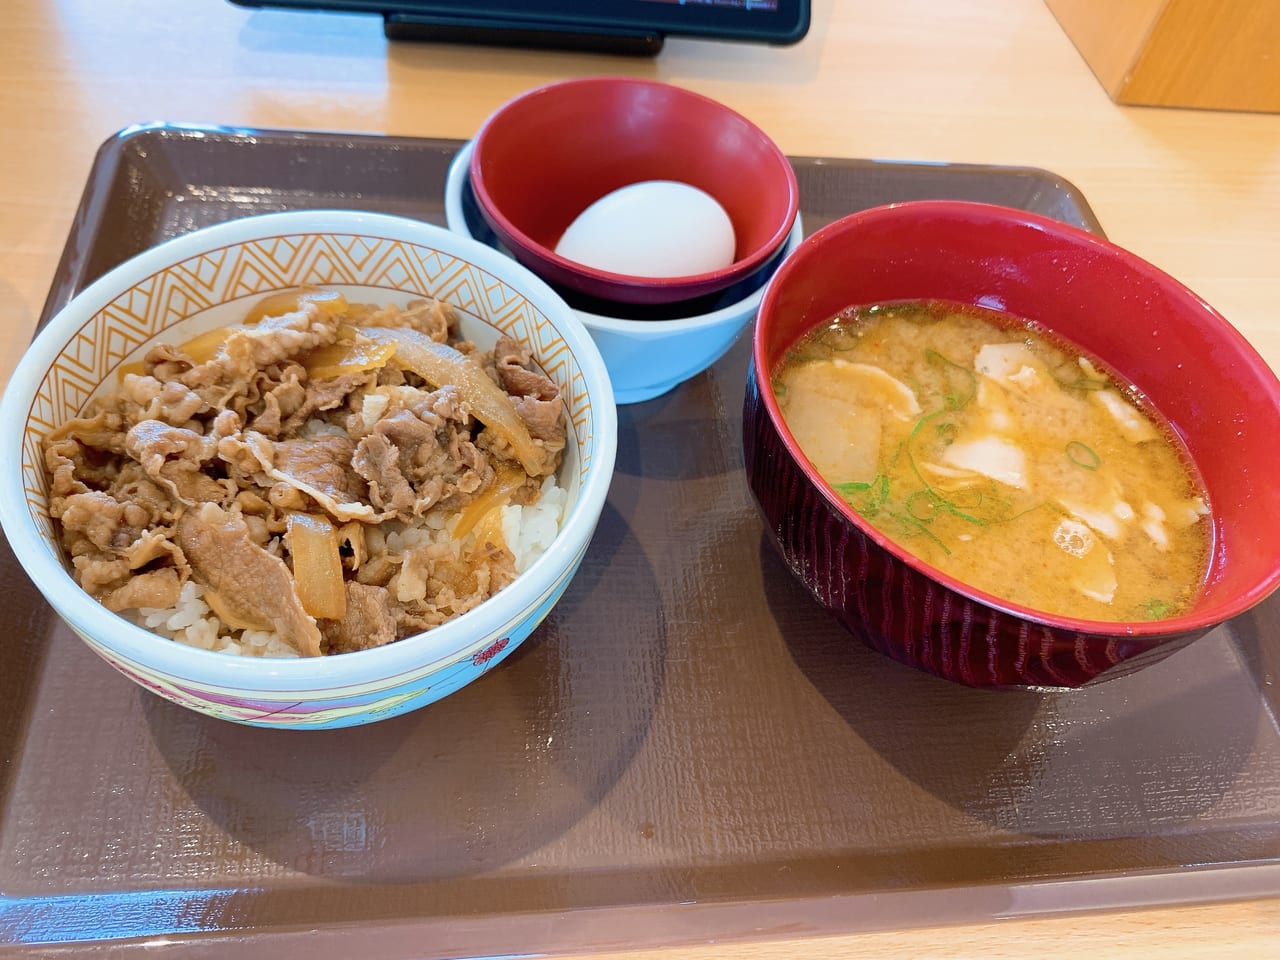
655,228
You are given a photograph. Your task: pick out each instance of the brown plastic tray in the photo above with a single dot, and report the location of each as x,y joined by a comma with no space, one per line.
686,750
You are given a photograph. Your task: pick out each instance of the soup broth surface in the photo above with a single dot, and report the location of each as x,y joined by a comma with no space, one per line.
1002,456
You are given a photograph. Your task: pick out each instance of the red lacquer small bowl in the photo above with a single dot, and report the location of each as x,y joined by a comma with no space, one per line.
544,157
1197,370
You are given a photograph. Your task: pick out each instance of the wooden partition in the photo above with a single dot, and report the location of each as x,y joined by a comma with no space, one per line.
1215,54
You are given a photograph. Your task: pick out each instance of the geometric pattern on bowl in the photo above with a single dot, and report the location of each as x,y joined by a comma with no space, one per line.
252,269
188,294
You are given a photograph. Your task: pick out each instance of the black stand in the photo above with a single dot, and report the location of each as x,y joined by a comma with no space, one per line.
516,33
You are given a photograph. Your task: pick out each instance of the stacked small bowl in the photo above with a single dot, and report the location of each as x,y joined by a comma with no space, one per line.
547,155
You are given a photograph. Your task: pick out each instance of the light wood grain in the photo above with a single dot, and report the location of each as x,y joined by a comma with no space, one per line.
1211,53
1109,34
993,81
1249,931
1186,53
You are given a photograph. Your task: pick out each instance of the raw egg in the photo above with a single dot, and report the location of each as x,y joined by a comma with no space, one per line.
655,228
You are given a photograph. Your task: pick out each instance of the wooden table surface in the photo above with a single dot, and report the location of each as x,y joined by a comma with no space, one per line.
991,81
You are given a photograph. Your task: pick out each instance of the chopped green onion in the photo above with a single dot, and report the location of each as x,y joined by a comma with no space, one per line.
1088,383
910,525
930,510
852,486
970,498
839,337
876,494
1083,456
955,511
961,382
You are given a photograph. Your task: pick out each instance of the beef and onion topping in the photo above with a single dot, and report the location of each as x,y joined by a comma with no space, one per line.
319,478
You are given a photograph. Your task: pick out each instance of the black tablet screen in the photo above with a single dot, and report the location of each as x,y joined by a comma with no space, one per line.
763,21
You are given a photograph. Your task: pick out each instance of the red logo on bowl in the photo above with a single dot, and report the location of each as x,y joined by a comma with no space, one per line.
489,652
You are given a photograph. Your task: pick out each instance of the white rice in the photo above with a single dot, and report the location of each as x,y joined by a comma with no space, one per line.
527,530
530,530
192,622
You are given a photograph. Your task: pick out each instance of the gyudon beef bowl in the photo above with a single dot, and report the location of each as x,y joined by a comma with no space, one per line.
307,469
1007,452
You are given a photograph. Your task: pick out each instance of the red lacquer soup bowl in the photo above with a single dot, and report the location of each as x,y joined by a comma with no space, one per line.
1215,390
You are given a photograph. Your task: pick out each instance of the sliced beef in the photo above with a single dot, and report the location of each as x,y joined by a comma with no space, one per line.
534,395
166,362
509,359
154,443
134,487
148,398
255,584
175,458
433,318
412,465
324,463
322,395
408,431
191,470
367,623
84,453
155,588
102,520
154,546
377,460
103,431
64,463
545,420
290,474
278,401
249,349
100,573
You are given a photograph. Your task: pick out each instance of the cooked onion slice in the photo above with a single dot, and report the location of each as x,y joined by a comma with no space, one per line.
317,566
331,303
504,485
340,359
441,365
203,347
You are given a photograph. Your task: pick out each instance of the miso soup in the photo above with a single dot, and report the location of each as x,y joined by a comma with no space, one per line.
1002,456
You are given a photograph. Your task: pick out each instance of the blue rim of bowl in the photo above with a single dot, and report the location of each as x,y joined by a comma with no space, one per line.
480,230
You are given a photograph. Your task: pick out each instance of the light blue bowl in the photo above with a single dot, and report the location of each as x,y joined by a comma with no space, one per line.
648,350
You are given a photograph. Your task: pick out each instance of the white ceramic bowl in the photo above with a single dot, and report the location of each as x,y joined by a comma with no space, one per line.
645,358
207,279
